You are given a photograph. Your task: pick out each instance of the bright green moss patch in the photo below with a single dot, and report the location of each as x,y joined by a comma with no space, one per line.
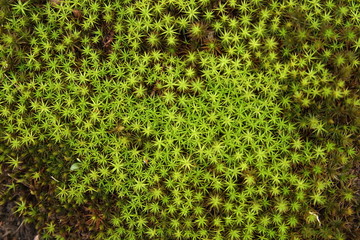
181,119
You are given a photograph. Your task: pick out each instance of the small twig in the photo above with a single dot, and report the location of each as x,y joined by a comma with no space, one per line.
54,179
317,217
7,232
19,227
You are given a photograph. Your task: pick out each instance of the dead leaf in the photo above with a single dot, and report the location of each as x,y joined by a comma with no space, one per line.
55,2
77,13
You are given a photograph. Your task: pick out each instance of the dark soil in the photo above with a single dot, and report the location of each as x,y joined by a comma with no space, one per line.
13,227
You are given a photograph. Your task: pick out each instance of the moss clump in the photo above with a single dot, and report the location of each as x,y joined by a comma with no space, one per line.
181,119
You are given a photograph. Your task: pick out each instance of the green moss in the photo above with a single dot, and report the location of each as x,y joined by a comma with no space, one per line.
181,119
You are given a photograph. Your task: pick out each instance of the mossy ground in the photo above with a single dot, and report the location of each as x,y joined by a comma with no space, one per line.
195,119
